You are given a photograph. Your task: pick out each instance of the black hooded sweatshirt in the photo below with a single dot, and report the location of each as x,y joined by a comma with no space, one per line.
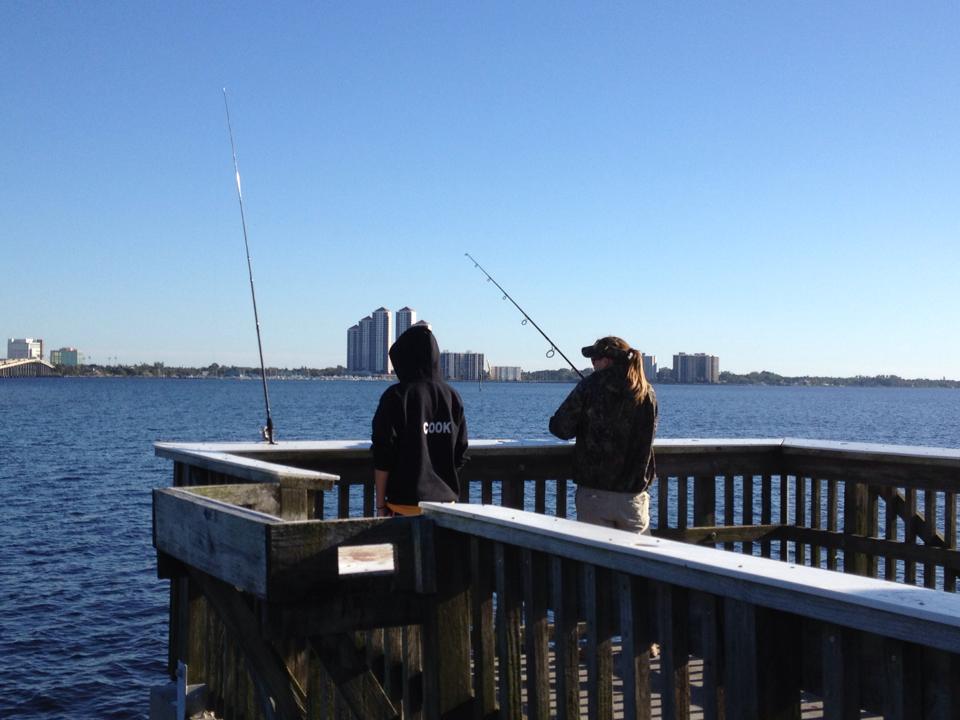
419,431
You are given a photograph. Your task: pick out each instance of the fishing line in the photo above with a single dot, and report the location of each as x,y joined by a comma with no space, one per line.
526,318
267,430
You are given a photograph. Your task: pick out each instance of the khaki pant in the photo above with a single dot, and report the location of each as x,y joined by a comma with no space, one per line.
619,510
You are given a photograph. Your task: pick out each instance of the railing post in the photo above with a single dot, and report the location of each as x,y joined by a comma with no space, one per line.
447,680
705,501
856,508
740,660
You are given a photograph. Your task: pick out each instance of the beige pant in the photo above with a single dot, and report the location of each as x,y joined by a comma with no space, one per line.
619,510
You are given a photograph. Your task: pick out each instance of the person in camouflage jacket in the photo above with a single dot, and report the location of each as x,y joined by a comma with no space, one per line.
613,415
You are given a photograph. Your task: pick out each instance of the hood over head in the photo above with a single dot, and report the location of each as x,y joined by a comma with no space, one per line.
415,355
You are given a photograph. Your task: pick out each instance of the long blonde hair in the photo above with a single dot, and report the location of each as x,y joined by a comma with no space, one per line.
619,350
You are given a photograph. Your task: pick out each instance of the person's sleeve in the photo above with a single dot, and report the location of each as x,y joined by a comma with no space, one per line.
564,422
384,438
460,449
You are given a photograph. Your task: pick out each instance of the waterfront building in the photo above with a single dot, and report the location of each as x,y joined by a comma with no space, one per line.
24,349
697,368
354,354
462,365
65,356
380,340
368,343
505,373
649,366
406,316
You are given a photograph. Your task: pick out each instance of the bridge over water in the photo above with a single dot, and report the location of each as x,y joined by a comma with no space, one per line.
32,367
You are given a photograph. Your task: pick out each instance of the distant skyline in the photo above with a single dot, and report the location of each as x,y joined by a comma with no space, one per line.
775,184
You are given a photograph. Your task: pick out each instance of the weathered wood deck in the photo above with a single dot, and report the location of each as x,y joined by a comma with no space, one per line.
479,610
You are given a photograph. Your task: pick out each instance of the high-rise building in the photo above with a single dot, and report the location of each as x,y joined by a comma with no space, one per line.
697,368
505,373
649,367
462,366
368,343
406,316
380,340
24,348
65,356
354,353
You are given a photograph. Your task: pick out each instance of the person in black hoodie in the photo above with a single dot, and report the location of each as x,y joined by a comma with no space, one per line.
419,430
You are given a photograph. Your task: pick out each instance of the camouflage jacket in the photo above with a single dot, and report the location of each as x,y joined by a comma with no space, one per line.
614,449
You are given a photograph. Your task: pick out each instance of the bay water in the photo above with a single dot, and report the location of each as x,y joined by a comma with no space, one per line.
82,613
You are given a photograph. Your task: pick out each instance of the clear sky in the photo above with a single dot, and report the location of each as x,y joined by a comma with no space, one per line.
774,183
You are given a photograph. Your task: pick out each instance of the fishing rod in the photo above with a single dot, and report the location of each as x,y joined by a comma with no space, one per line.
267,430
526,318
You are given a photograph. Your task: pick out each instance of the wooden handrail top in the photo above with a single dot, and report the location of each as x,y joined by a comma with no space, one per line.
895,610
232,462
262,462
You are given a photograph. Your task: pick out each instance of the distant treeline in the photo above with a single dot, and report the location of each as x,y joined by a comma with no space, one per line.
210,371
766,377
564,375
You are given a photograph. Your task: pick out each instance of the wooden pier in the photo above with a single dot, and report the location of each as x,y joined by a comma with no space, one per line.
783,578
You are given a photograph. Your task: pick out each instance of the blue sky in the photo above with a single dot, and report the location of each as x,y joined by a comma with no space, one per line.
774,183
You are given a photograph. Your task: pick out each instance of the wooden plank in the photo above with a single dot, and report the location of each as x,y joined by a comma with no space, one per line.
938,690
782,519
740,665
893,686
746,509
262,497
910,534
293,503
636,641
873,523
508,631
412,704
304,556
930,513
799,519
483,639
866,545
218,538
950,533
359,606
766,507
260,657
728,506
683,508
345,661
816,554
663,501
832,517
599,653
534,572
779,666
563,594
713,702
447,681
704,501
672,624
890,532
540,496
561,496
724,534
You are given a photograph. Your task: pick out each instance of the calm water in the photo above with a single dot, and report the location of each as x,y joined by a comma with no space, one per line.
82,615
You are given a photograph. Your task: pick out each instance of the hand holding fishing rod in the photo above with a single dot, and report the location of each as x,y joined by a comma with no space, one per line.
268,429
526,318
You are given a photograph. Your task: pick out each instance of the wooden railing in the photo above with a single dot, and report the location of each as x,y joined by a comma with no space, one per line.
882,511
483,612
